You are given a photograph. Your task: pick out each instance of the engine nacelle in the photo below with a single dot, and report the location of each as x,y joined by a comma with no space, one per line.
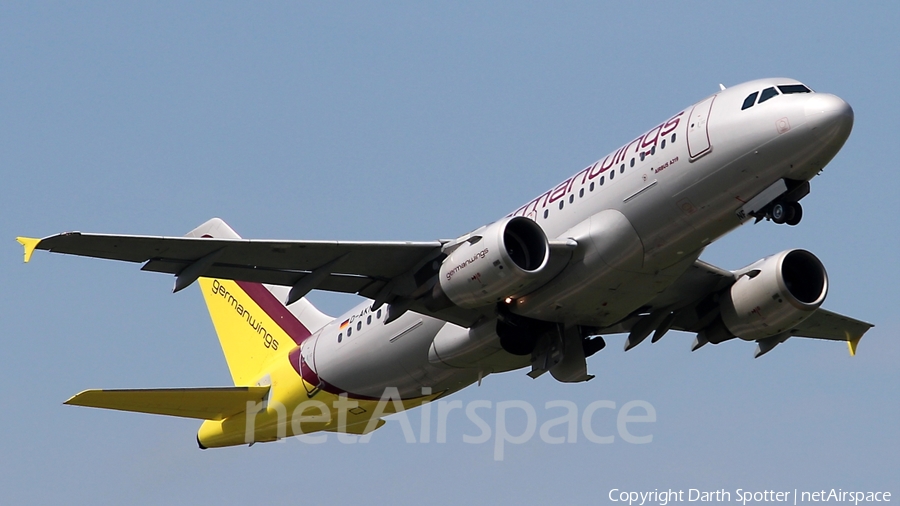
501,260
774,295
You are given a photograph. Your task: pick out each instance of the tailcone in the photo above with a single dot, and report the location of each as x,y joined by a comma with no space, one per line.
219,434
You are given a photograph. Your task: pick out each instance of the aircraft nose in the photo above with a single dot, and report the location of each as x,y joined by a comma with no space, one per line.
828,116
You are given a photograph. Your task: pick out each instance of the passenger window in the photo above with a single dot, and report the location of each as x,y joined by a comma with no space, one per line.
673,138
369,320
653,149
581,193
642,156
561,202
571,198
359,325
349,331
378,314
623,168
340,336
750,100
787,89
612,174
663,145
546,213
767,94
592,186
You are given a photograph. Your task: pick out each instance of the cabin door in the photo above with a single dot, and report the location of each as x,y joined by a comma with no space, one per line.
698,133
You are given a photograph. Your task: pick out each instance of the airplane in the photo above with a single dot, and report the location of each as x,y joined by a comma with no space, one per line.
612,249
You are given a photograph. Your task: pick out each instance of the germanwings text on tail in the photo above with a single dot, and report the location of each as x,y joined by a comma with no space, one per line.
613,249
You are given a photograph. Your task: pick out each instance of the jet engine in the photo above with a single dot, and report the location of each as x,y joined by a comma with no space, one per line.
774,295
501,260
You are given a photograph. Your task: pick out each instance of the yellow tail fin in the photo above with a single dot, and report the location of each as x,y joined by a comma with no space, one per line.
253,325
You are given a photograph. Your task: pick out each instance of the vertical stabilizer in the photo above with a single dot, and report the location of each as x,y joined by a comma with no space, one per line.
253,325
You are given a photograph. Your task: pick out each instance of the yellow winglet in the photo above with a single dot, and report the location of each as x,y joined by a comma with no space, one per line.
30,244
852,344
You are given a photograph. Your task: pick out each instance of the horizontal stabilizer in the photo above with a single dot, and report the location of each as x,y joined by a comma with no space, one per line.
213,403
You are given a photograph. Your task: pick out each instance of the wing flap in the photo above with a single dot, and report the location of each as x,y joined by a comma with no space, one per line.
337,282
215,403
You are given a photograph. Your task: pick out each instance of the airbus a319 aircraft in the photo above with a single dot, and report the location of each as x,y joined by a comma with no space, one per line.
613,249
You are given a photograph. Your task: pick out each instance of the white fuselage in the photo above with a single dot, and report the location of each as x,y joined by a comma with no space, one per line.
640,216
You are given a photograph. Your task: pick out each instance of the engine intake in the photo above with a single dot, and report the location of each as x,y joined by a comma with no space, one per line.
502,260
774,295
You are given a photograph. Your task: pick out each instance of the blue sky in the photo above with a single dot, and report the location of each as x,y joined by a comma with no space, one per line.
417,121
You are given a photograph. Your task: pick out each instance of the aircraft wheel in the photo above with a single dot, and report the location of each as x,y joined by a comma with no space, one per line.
779,213
796,215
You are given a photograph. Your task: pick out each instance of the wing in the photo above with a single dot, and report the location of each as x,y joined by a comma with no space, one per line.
354,266
824,324
384,271
398,273
691,304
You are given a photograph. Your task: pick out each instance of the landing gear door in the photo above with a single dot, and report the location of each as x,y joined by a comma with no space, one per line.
698,134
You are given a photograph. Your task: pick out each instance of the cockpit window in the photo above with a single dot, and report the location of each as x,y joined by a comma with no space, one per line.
750,100
767,94
787,89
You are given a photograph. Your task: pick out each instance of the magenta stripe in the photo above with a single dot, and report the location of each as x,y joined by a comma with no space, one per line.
276,310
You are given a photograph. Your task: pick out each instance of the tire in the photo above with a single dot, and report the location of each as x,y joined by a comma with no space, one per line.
789,211
796,214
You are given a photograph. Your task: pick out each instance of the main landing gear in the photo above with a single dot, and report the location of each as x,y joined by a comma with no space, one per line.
786,212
